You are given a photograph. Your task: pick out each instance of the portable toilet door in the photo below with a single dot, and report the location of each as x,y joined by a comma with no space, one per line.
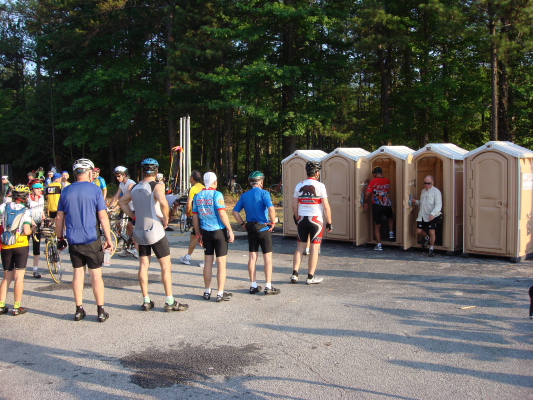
498,200
293,172
397,165
341,171
443,161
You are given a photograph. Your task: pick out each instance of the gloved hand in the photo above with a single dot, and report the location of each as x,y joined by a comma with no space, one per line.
295,219
329,227
61,244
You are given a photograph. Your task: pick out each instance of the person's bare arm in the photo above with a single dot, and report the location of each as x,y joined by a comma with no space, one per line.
225,222
124,206
159,194
295,209
104,222
272,217
327,211
60,223
368,197
238,217
196,224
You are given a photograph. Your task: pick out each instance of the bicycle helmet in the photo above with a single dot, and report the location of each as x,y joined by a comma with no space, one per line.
20,192
82,165
97,170
150,166
377,170
120,170
256,176
33,182
311,167
37,186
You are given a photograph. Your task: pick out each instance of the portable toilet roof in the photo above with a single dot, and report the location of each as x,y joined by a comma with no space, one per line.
401,152
354,153
311,155
505,147
448,150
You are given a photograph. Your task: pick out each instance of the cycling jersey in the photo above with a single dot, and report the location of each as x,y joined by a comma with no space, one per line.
310,194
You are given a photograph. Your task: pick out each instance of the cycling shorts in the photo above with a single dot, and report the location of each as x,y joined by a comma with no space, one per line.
90,254
261,239
161,249
15,258
215,242
310,227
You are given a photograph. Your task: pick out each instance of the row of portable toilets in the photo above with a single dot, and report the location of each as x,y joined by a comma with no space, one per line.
486,194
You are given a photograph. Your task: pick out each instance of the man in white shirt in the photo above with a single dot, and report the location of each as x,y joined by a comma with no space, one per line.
430,209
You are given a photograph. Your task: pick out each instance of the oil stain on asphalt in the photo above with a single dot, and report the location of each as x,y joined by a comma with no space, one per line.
156,368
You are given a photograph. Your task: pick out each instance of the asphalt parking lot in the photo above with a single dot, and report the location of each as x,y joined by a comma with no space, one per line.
383,325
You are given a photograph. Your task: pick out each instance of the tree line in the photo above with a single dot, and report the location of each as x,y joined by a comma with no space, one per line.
109,79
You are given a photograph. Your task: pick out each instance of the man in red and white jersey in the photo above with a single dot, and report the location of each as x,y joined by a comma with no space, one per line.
310,203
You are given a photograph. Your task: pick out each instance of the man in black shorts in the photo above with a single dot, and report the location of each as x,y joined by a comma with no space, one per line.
82,209
430,212
261,214
378,189
151,218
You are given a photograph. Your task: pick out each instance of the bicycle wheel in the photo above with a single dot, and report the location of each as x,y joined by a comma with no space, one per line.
113,240
183,221
53,260
273,189
237,188
188,224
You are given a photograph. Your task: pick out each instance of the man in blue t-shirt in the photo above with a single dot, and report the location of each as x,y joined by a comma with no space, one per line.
213,232
260,216
81,209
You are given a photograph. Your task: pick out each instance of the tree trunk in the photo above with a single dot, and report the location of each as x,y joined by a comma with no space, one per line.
494,74
229,144
385,69
287,91
171,111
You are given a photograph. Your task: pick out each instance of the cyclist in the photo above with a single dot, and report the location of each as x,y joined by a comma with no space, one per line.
124,184
53,193
49,179
260,214
7,189
151,216
209,214
197,187
16,219
100,182
40,173
36,206
82,208
64,179
310,202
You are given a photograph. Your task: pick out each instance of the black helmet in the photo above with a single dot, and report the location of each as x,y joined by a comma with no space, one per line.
256,176
377,170
311,167
150,166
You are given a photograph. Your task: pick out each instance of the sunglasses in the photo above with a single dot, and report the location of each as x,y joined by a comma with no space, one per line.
428,183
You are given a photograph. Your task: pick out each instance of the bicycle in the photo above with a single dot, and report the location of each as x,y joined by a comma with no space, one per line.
184,221
277,188
233,186
119,233
113,240
53,258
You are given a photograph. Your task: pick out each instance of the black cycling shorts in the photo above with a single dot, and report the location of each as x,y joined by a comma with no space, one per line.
52,214
36,243
161,249
90,254
427,226
310,227
378,211
15,258
215,242
262,239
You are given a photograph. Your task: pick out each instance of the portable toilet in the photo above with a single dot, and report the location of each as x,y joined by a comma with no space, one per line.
443,161
499,200
293,172
397,165
345,174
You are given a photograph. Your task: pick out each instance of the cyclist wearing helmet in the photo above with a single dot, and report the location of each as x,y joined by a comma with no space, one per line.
7,189
151,218
378,190
36,206
100,182
197,187
16,220
124,184
53,193
260,215
82,209
64,179
310,202
209,214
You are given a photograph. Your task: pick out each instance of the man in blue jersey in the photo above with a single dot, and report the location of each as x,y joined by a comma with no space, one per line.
260,216
209,214
82,209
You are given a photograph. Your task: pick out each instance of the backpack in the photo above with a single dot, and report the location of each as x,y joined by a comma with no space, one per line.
12,219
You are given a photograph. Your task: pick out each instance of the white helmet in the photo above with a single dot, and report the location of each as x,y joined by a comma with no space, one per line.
121,170
82,165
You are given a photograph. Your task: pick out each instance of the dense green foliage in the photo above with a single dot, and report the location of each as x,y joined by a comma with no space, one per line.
109,79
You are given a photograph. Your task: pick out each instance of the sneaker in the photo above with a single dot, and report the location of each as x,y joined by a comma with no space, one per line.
201,265
36,275
391,235
431,253
255,289
378,247
148,306
272,291
123,253
426,242
207,295
134,252
313,280
176,307
18,311
294,279
4,310
224,297
102,317
79,315
169,229
186,261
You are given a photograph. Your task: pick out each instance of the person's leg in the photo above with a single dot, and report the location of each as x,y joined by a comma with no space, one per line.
313,258
221,273
432,237
252,262
267,258
391,225
78,280
377,233
166,274
6,282
144,263
297,258
97,283
192,244
208,270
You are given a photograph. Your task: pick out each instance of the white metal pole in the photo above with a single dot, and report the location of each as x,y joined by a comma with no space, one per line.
189,149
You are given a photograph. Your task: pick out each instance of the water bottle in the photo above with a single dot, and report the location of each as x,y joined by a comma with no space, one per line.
107,258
